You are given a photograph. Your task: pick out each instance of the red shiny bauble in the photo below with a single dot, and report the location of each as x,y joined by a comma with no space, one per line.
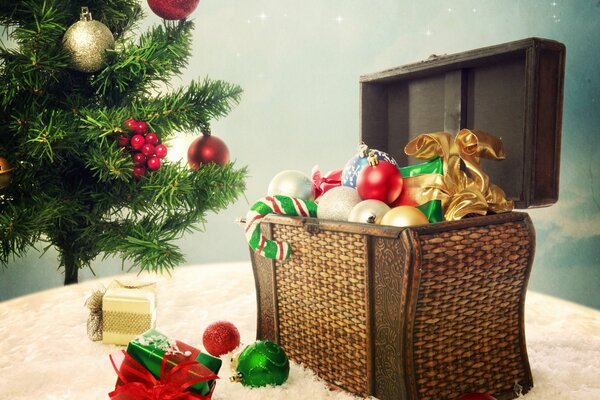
138,171
173,9
207,149
137,142
140,128
161,151
153,163
130,124
477,396
220,337
381,182
122,141
152,138
139,159
148,150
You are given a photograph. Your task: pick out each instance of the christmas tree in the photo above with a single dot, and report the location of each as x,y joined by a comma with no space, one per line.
69,121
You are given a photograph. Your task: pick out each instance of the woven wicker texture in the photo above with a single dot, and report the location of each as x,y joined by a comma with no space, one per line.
466,334
125,323
322,304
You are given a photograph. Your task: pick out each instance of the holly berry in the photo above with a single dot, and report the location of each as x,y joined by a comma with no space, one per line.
130,124
122,141
139,159
153,163
161,151
152,138
137,141
141,128
148,150
138,171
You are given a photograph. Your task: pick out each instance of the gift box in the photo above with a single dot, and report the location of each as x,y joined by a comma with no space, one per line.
432,311
128,310
152,347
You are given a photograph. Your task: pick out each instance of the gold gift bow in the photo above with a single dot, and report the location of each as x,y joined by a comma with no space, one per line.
459,193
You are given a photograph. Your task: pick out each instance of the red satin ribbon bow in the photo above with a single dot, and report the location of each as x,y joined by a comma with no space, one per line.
137,383
324,183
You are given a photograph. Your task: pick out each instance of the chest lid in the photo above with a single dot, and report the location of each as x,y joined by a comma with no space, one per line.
513,91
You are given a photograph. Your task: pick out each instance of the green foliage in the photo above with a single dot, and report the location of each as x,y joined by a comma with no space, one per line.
72,186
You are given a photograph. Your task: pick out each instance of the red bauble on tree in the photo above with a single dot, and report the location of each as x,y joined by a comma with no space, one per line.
173,9
220,337
380,180
207,149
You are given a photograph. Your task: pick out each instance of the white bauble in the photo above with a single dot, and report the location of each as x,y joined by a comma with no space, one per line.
292,183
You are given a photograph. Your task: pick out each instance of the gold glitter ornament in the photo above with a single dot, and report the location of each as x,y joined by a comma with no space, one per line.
87,41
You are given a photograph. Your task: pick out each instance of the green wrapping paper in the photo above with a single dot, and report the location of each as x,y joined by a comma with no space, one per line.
415,177
149,349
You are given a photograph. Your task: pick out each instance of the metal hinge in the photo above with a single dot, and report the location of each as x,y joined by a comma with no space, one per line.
312,226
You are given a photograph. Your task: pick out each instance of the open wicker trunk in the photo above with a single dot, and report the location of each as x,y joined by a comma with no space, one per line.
432,311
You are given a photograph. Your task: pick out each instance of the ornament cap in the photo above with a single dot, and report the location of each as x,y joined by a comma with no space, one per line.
85,14
236,378
372,159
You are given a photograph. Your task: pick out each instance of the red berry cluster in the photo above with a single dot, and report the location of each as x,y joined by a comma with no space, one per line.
143,146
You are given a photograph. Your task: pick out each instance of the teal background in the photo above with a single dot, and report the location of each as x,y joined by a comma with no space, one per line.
299,64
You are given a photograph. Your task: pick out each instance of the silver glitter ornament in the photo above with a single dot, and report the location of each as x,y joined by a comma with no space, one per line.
337,203
87,41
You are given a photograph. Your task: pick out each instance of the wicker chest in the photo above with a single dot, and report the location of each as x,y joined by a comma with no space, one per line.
432,311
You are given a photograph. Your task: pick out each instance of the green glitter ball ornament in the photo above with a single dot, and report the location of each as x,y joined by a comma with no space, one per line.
262,363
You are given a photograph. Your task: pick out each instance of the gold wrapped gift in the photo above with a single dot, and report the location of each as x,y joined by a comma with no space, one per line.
461,193
128,310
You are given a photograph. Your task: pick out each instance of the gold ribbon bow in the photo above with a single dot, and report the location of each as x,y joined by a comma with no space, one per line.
460,193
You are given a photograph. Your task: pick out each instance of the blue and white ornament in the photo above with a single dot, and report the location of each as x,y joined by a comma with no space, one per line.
359,161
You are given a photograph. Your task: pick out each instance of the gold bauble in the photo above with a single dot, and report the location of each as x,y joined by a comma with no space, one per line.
5,173
368,212
404,216
87,41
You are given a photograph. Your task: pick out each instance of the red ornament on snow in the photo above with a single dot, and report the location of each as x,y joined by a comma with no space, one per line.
152,138
161,151
207,149
220,337
380,180
153,163
477,396
137,142
173,9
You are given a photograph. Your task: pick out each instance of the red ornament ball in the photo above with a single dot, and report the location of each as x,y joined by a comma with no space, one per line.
161,151
220,337
207,149
477,396
138,171
122,141
137,142
148,150
173,9
130,124
139,159
152,138
141,128
153,163
382,182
